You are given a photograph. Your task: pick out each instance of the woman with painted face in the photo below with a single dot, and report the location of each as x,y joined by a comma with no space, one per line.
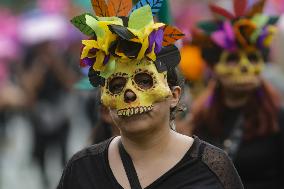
133,61
239,111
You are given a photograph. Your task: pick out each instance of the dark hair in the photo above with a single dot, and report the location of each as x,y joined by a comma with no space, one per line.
167,60
211,55
175,78
260,111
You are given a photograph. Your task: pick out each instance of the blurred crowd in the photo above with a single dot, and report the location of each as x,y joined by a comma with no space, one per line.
47,107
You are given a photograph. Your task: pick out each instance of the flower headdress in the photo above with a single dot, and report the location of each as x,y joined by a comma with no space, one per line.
120,31
246,28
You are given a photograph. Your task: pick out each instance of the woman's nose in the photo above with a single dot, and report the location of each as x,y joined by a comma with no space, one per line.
129,96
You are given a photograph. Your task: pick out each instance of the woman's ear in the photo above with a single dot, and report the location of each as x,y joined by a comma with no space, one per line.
176,94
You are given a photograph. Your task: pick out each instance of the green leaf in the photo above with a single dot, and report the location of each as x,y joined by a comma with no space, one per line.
109,69
260,20
93,24
254,36
208,26
140,18
80,23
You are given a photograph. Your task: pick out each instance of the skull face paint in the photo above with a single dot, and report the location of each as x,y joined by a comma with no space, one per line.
134,87
240,70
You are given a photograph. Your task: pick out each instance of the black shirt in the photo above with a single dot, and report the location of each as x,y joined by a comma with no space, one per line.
203,167
259,161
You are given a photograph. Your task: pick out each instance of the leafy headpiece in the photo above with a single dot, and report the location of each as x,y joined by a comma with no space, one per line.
246,28
118,31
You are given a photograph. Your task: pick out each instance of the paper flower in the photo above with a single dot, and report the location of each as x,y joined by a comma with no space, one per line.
130,36
225,37
266,36
245,28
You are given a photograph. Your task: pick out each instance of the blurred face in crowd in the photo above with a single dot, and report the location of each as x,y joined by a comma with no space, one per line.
240,70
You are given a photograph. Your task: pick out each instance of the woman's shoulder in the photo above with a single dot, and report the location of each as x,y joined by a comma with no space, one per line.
83,165
217,161
93,150
205,150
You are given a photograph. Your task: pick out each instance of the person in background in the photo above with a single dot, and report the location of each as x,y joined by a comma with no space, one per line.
240,111
47,78
44,74
12,97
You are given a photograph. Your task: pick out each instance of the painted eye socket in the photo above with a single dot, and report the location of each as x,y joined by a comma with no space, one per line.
117,84
143,80
253,58
233,58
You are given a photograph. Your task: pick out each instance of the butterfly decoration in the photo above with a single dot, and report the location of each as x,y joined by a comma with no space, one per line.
120,30
245,28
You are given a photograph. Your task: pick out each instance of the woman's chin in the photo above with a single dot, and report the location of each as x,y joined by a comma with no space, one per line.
244,86
143,123
138,123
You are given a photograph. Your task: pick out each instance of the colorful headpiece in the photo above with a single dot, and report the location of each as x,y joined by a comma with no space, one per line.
119,31
128,54
246,28
235,44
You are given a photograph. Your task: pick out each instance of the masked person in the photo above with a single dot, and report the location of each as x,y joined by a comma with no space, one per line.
133,60
240,111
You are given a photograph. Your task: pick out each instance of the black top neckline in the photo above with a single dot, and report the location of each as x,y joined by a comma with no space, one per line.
159,179
203,166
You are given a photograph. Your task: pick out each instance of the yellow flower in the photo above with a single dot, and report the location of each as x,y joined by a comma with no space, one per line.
142,38
98,65
104,36
88,45
271,32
